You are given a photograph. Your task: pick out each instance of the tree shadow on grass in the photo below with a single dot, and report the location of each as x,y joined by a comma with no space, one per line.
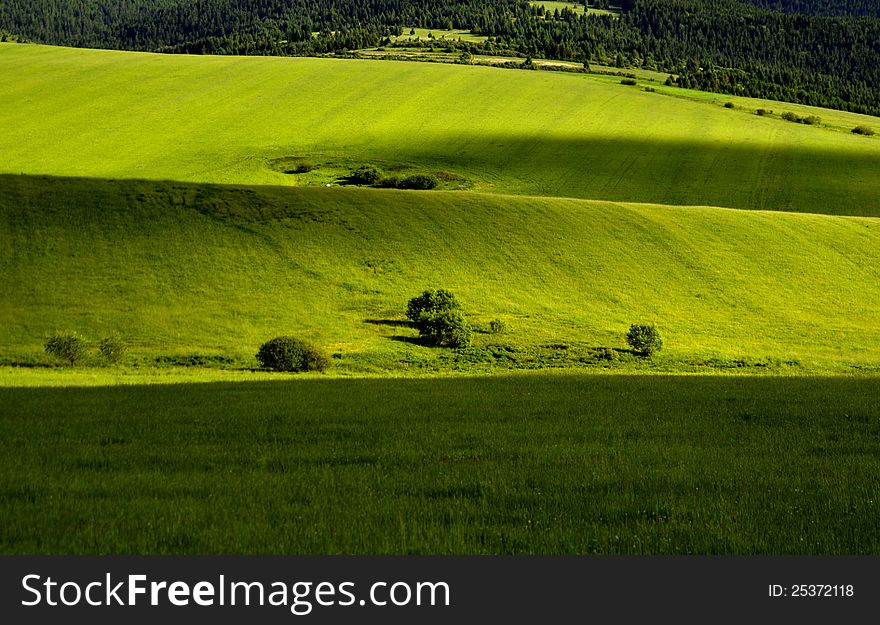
395,323
412,340
31,365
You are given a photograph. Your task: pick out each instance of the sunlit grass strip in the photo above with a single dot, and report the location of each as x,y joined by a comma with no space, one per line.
223,119
183,269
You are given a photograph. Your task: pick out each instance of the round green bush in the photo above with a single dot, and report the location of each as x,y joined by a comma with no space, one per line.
445,328
421,182
644,339
866,131
430,301
113,349
366,174
286,353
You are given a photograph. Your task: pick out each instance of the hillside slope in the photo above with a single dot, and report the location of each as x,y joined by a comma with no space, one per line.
227,119
203,269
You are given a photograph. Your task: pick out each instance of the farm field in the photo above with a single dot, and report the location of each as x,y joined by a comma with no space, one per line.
539,463
198,206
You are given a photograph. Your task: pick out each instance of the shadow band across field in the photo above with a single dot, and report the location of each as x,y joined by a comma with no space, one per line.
551,464
840,179
827,171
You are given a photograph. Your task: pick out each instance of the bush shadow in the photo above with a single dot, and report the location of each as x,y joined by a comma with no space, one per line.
395,323
412,340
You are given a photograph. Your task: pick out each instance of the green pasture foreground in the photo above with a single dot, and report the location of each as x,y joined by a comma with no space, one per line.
108,114
203,274
526,464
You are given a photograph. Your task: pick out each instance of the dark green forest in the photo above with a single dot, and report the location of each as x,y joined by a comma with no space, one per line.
820,7
819,52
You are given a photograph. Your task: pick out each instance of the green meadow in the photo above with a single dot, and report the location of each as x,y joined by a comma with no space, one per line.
181,269
421,34
552,464
126,115
155,196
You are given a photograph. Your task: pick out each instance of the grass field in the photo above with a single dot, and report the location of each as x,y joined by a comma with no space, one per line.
183,269
222,119
551,6
146,195
526,464
421,34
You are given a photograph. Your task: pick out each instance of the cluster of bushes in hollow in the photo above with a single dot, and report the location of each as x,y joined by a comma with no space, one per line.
370,175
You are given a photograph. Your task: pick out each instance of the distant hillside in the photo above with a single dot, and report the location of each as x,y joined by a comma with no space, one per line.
824,54
239,120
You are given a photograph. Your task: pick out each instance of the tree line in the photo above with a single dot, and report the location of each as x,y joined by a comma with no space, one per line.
819,52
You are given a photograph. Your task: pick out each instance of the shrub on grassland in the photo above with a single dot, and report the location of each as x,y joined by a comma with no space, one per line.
866,131
286,353
644,339
113,349
419,181
366,174
809,120
67,347
445,328
438,316
430,301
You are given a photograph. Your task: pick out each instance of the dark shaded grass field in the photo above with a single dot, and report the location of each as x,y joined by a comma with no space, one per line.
526,464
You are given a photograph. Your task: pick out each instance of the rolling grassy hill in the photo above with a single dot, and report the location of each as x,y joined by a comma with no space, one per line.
226,120
143,194
198,268
204,269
